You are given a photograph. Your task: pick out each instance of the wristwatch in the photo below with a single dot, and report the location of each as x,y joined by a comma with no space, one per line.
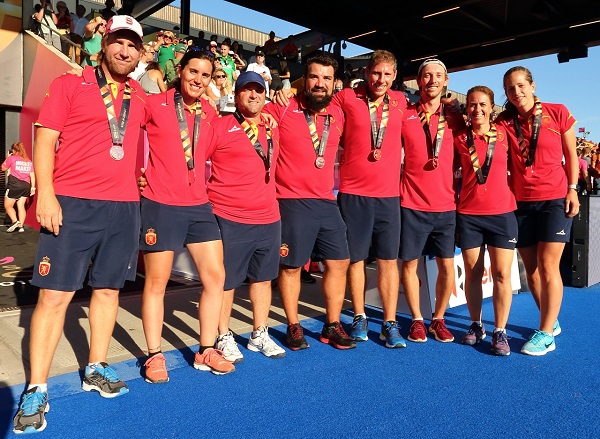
574,186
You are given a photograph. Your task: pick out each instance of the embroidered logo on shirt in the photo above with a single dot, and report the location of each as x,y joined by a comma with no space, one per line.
234,129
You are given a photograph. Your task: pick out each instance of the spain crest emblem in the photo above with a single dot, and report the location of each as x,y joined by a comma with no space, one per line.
284,250
150,236
44,267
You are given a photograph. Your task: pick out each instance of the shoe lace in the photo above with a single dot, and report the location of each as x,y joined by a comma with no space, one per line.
339,330
157,361
538,338
32,402
392,329
440,327
109,374
501,338
296,331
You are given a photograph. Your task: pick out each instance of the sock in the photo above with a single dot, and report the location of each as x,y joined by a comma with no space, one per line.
420,319
41,387
499,330
362,314
204,348
478,322
331,325
152,354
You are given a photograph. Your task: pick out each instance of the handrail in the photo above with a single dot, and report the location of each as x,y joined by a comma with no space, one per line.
83,52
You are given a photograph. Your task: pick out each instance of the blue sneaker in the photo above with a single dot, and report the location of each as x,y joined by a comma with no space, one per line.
390,332
31,416
540,344
104,380
556,329
360,328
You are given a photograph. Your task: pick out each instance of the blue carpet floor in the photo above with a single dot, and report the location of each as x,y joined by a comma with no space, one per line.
426,390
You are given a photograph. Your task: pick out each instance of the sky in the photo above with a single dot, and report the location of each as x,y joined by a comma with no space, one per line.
572,84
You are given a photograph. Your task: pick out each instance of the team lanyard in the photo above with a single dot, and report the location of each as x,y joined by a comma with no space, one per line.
266,158
117,130
319,146
434,149
378,132
188,146
529,154
482,172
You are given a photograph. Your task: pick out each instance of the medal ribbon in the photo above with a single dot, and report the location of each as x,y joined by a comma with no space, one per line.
188,146
482,172
312,128
529,153
435,150
117,130
267,159
378,133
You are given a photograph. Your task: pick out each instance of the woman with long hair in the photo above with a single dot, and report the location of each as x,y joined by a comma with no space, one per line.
151,80
485,216
540,135
218,87
21,185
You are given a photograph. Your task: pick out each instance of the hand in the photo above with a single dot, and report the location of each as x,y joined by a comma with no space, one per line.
49,213
283,96
141,181
32,191
571,203
452,105
270,120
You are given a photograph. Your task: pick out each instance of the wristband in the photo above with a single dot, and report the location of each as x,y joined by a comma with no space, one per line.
573,186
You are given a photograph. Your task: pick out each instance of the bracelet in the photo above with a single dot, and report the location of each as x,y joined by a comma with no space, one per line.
573,186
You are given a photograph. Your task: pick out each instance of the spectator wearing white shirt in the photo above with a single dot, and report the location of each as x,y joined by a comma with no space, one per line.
260,68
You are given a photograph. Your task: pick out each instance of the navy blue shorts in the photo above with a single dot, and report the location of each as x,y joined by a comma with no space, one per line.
311,225
427,233
498,231
542,221
249,250
166,227
373,226
105,233
16,188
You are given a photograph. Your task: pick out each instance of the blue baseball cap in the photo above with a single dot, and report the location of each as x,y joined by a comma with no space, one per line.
246,78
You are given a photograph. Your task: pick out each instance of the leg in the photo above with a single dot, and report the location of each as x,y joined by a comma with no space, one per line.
260,297
357,283
473,260
47,324
208,258
501,261
334,288
158,270
444,286
10,209
21,210
551,292
529,256
289,289
388,282
226,311
104,306
410,283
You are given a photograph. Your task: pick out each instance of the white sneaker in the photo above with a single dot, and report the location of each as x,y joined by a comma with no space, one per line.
261,342
226,343
14,226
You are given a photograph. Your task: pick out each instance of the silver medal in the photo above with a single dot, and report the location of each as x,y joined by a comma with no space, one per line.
117,152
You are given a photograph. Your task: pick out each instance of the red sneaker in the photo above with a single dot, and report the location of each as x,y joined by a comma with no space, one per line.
213,361
156,370
439,330
417,332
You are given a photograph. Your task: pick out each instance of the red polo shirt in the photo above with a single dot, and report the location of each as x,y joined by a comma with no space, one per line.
167,171
83,167
359,173
297,176
238,188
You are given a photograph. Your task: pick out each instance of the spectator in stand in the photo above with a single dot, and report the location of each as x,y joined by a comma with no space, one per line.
151,80
541,135
284,74
20,185
147,57
47,19
485,217
276,83
219,86
290,51
92,40
79,21
260,68
65,25
252,59
270,46
227,61
166,50
170,69
108,11
584,178
212,49
238,59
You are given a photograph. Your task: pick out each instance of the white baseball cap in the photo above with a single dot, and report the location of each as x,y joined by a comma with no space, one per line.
124,22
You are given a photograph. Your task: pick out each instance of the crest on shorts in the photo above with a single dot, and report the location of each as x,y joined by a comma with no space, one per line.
150,236
284,250
44,267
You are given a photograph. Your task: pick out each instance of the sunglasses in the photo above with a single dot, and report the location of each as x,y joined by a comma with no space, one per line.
220,76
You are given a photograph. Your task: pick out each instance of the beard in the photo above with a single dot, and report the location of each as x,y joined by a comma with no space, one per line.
317,103
118,69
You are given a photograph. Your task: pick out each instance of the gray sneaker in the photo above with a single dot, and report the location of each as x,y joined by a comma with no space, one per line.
475,334
31,416
104,380
261,342
226,344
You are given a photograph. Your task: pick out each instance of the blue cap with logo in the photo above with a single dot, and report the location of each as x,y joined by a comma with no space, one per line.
246,78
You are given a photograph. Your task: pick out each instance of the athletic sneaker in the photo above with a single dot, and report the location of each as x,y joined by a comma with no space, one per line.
261,342
540,344
212,360
500,344
306,277
103,379
231,352
474,335
14,226
360,328
440,332
156,370
417,332
295,337
390,332
31,416
556,329
334,334
21,229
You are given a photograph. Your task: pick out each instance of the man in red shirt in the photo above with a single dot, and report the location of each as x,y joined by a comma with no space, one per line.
310,131
88,208
243,150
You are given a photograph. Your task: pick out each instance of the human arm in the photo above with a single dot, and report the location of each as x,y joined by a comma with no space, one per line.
141,181
32,178
283,96
572,169
48,210
91,27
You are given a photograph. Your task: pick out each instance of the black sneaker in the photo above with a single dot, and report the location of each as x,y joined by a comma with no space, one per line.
334,334
306,277
104,380
295,337
31,416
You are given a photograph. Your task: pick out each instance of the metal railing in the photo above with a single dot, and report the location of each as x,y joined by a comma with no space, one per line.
75,47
